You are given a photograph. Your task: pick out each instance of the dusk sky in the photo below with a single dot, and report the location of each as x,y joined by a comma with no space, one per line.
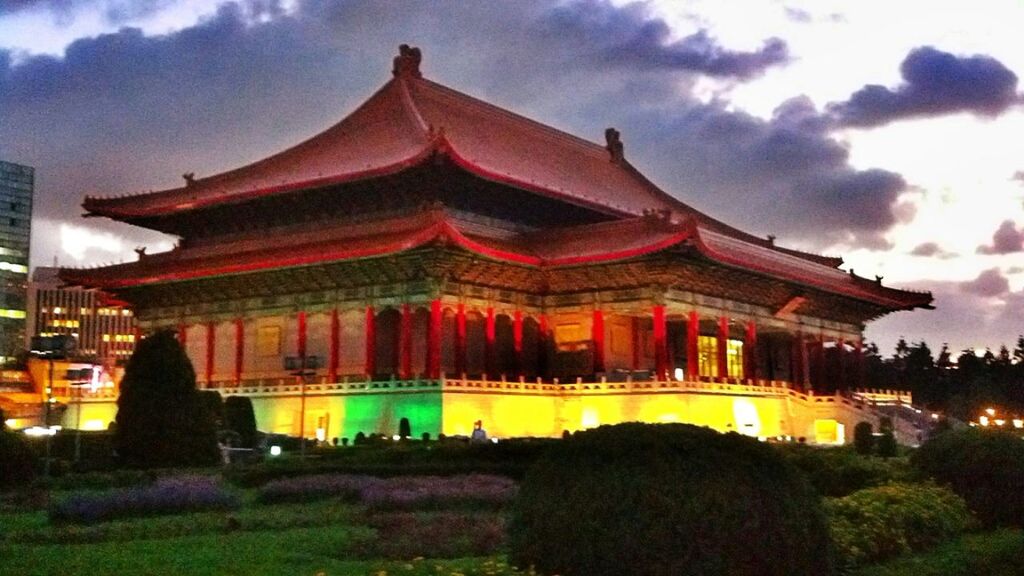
889,133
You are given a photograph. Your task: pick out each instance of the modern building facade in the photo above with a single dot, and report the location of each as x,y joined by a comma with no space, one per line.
16,186
104,329
436,258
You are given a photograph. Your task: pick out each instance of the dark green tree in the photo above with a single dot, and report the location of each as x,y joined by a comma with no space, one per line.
161,420
240,418
863,438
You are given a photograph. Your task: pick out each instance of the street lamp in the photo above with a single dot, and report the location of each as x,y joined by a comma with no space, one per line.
57,347
302,366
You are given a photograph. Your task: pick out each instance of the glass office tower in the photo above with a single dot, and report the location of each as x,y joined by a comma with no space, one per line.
16,185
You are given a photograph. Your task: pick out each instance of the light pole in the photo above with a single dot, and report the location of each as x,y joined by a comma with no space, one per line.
51,348
302,363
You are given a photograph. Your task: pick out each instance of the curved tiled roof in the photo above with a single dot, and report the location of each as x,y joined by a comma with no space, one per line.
404,124
572,246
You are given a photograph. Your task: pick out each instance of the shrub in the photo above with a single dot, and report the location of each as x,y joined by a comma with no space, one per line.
864,438
435,492
161,420
985,467
404,428
988,553
878,523
239,417
171,495
360,439
317,487
665,500
841,471
17,461
887,443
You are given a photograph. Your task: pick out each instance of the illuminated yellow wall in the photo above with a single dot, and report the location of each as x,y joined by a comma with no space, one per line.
511,415
96,415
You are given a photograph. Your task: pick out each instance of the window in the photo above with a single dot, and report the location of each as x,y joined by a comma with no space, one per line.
707,353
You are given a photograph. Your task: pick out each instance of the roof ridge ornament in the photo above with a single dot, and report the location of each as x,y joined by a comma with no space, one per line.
613,143
407,63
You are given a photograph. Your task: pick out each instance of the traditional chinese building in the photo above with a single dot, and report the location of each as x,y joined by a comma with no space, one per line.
437,258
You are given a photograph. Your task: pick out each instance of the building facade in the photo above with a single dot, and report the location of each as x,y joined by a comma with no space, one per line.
436,258
104,329
16,186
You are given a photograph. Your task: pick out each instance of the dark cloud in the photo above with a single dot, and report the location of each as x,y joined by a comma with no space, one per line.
125,112
989,283
1006,240
931,250
630,36
934,83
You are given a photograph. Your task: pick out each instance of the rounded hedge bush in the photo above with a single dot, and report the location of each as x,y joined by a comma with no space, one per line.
985,467
667,499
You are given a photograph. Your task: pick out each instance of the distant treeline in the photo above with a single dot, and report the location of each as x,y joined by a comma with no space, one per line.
961,384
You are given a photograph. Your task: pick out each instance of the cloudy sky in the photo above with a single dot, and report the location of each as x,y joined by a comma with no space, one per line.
886,132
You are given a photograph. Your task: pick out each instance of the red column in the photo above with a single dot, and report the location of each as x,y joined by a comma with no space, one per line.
660,344
405,343
636,343
434,341
517,339
750,352
542,345
370,361
490,369
597,336
239,349
723,347
460,340
858,364
332,362
183,334
692,348
210,328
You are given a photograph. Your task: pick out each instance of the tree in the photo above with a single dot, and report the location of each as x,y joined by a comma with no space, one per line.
864,438
240,418
161,420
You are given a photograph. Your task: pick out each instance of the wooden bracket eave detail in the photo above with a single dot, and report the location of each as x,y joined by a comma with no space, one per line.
790,306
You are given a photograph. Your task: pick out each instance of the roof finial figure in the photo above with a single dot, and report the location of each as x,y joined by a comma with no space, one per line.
771,240
190,178
614,144
407,63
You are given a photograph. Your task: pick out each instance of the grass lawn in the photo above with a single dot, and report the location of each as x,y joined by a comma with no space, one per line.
998,553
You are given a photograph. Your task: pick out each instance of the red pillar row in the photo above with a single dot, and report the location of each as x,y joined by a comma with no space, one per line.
692,347
460,340
370,362
660,343
798,360
405,343
434,341
597,336
542,345
723,347
332,362
239,349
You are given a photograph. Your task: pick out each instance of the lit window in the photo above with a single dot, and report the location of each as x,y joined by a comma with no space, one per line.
707,348
56,309
106,337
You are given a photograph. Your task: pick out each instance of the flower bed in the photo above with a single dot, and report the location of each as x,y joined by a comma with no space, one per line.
172,495
317,487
